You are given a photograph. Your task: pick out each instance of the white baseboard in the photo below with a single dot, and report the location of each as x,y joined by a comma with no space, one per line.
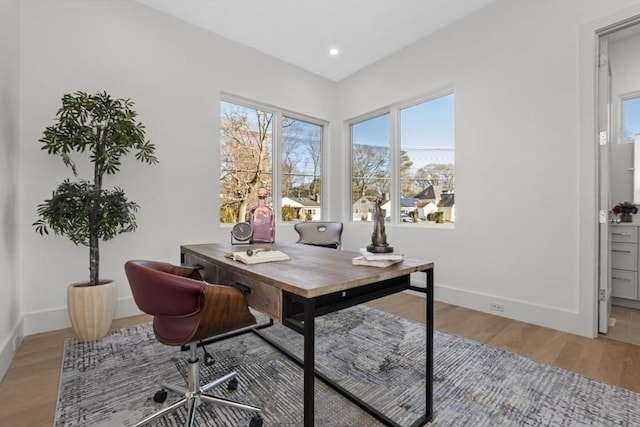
567,321
9,347
563,320
550,317
623,302
51,320
45,321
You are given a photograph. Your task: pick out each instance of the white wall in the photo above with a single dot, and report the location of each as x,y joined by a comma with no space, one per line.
514,67
174,72
11,329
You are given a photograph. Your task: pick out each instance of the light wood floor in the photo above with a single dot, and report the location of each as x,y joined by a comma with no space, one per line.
29,390
627,324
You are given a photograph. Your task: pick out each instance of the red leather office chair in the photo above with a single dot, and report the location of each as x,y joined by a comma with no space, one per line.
327,234
185,310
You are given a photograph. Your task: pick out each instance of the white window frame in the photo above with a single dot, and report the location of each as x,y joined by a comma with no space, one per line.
276,156
394,168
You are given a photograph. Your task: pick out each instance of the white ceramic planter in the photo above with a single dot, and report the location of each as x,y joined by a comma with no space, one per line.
91,308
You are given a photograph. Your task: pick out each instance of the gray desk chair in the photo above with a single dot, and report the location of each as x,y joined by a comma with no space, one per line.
327,234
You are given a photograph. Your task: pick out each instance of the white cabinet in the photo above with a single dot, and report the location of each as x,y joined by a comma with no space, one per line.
624,261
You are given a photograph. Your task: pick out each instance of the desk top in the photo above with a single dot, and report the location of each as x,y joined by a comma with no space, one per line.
312,271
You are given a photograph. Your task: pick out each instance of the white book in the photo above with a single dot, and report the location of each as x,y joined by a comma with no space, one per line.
391,256
258,257
361,260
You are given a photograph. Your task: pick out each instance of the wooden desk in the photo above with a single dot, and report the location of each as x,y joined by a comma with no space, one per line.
316,281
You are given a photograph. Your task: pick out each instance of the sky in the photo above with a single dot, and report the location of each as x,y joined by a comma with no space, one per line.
426,131
631,117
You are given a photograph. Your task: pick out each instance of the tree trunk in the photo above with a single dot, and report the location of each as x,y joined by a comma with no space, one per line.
242,211
94,215
94,260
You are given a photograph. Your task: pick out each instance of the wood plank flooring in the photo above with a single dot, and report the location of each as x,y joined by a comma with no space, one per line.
627,324
28,392
614,362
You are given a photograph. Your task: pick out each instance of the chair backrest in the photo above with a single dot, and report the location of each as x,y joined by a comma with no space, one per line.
158,292
327,234
185,310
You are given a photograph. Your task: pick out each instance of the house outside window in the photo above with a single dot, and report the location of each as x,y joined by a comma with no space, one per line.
252,137
301,170
370,164
404,155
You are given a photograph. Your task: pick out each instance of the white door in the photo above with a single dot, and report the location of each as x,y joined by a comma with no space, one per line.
604,202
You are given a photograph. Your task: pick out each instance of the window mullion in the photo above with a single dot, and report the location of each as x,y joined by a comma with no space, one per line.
394,185
419,137
276,194
240,128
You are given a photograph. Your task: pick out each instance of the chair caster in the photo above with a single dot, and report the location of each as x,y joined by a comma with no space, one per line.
256,421
233,385
209,360
160,396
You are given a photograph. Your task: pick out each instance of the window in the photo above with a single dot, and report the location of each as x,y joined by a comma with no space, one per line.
246,149
418,187
370,153
630,118
301,170
251,137
427,172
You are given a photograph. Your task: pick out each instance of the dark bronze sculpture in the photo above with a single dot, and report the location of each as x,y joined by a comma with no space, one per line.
379,237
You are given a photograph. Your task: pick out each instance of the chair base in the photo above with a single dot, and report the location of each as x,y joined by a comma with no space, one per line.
194,395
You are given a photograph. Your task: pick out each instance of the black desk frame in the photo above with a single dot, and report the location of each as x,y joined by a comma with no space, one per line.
299,314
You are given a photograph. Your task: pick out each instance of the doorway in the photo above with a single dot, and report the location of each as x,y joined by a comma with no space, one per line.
618,111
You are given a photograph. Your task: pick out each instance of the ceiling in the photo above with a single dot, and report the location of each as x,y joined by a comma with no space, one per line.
301,32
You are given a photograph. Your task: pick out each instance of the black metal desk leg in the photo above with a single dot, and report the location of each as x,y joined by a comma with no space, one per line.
309,362
429,340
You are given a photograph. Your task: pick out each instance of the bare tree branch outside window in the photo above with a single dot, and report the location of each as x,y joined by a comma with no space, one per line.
425,159
301,164
246,152
246,160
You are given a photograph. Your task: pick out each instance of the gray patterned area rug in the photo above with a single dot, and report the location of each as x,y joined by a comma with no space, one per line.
374,354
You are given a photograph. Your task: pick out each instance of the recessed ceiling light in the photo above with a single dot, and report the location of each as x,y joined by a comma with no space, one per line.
333,51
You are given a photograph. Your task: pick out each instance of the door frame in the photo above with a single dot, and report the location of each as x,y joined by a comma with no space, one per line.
604,131
588,226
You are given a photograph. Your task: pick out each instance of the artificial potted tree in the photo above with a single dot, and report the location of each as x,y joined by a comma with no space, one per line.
83,210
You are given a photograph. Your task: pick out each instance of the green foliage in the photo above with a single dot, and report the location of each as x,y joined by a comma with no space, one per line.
289,213
228,215
82,211
68,211
104,126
